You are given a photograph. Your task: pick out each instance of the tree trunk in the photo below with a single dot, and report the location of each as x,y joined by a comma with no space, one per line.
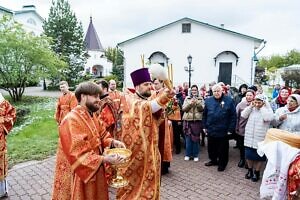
44,84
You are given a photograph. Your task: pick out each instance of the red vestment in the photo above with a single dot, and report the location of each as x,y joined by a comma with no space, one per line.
79,170
118,98
108,115
7,119
65,104
294,179
140,135
165,133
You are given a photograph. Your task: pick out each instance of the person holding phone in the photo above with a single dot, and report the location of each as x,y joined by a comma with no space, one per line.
259,114
192,123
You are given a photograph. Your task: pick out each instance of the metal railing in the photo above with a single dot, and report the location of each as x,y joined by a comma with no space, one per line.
236,81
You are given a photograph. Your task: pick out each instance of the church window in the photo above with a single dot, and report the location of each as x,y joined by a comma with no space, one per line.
186,28
31,21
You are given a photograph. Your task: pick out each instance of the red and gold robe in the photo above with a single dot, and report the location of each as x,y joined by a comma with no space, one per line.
79,170
165,134
7,119
294,179
118,98
65,104
140,135
108,115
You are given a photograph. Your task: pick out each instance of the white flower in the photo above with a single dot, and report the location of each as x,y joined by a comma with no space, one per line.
222,104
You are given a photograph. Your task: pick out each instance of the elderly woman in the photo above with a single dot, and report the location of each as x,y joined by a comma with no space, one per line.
259,115
288,117
192,124
241,124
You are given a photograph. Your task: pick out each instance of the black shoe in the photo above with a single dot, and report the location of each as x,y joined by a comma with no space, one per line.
165,171
210,163
255,176
249,174
220,169
241,163
177,151
202,143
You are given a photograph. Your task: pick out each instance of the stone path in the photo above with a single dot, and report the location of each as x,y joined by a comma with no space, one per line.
186,180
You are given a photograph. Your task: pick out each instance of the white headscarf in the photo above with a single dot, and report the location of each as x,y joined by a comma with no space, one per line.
1,98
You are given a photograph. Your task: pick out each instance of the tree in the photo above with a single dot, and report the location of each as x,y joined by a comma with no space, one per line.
67,39
277,61
115,55
291,78
23,58
272,63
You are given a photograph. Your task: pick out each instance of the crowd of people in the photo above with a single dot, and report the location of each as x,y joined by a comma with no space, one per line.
153,122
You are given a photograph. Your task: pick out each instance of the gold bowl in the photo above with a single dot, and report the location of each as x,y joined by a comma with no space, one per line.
118,181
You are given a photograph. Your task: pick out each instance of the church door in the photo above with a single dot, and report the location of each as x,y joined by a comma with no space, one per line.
225,73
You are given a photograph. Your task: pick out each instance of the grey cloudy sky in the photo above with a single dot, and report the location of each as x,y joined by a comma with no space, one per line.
276,21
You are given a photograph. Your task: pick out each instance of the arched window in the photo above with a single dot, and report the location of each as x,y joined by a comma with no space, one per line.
31,21
159,57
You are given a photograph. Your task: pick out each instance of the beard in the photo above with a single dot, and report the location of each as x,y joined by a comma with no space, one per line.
146,94
92,107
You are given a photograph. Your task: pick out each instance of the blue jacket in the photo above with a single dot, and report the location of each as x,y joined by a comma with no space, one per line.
219,116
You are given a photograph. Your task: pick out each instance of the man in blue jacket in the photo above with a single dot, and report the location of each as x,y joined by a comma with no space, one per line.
219,120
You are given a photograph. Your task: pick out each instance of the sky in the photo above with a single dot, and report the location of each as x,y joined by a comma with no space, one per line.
276,21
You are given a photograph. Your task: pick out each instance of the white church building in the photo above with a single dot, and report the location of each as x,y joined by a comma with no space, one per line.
97,64
31,21
218,54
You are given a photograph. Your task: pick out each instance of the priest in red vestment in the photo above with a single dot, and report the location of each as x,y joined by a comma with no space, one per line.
107,112
80,161
7,119
140,135
66,102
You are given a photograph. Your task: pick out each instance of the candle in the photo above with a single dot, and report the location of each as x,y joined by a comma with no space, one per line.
142,59
172,73
168,67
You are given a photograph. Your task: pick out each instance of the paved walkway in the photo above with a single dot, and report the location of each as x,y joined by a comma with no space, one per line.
186,180
36,91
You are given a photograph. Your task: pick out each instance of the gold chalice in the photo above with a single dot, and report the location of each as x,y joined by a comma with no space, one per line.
118,181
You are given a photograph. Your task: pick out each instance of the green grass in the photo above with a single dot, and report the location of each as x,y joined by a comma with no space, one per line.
35,137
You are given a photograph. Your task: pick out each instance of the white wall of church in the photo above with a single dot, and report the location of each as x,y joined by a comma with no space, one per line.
203,44
98,58
30,22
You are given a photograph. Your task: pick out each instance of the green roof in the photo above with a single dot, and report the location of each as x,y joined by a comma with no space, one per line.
6,10
196,22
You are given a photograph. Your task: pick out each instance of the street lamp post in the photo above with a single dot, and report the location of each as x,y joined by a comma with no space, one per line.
189,58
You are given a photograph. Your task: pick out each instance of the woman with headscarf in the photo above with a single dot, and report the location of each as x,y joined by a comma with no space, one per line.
259,115
241,124
242,93
288,117
281,100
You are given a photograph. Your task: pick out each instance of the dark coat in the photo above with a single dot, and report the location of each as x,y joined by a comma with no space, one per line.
219,118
